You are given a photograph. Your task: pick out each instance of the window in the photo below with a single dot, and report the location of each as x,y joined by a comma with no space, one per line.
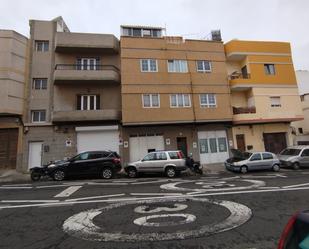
151,100
180,100
213,145
222,144
175,155
150,157
256,157
269,69
88,64
39,84
161,156
203,146
82,156
95,155
203,66
177,66
149,65
300,130
208,100
275,102
267,156
88,102
41,46
38,116
305,152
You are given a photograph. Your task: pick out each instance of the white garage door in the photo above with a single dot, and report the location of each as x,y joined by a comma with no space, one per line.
97,138
140,146
213,146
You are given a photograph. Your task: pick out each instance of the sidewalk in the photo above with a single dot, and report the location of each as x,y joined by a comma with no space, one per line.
13,176
214,168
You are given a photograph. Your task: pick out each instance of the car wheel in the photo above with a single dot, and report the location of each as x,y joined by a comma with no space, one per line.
244,169
107,173
58,175
132,173
296,166
276,167
35,176
170,172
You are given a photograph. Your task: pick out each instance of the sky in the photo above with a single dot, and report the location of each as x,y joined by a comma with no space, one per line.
274,20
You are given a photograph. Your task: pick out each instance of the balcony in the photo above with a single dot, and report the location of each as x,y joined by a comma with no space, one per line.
86,43
75,73
239,78
244,110
93,115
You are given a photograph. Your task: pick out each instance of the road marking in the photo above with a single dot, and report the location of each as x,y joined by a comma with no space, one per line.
305,173
147,194
51,186
94,197
68,191
21,187
107,183
81,225
149,182
145,209
269,187
297,185
19,201
17,185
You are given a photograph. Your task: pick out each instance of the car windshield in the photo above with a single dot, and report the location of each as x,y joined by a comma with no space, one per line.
290,152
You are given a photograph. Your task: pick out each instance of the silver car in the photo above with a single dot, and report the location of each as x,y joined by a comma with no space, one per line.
245,161
295,157
169,162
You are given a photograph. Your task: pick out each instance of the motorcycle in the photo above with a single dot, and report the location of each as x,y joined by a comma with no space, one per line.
194,166
36,173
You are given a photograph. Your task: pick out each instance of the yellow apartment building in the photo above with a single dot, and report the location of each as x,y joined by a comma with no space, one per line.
264,94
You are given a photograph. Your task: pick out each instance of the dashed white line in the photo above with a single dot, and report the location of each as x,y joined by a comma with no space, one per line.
297,185
155,194
68,191
94,197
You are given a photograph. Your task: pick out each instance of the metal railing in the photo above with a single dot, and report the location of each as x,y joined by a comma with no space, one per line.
81,67
234,76
244,110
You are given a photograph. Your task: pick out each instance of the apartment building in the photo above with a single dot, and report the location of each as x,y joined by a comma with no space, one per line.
264,94
13,59
73,93
175,95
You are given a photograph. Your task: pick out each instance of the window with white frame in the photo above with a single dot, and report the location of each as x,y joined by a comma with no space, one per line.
41,46
39,84
88,102
180,100
88,64
269,69
38,116
208,100
203,66
177,66
151,100
149,65
275,102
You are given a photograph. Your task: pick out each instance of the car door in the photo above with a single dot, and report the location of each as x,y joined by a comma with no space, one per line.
304,158
94,163
161,161
78,165
147,163
255,162
268,160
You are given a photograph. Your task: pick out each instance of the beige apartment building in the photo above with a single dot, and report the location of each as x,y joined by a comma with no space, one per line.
175,95
13,59
73,93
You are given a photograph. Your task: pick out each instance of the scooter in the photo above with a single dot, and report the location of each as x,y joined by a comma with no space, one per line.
194,166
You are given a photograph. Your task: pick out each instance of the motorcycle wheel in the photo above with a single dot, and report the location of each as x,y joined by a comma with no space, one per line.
35,176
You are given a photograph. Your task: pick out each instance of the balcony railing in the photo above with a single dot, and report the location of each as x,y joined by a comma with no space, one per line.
244,110
87,67
238,75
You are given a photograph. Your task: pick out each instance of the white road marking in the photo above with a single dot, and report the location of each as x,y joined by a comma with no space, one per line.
145,209
94,197
297,185
31,201
81,225
148,182
17,185
269,187
107,183
21,187
305,173
68,191
51,186
147,194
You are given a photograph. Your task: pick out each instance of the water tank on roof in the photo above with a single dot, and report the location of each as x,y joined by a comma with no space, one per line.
216,35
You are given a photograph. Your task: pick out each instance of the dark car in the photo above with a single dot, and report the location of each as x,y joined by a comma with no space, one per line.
296,233
90,163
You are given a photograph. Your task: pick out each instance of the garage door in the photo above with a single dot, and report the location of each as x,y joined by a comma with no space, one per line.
97,138
213,146
140,146
8,148
275,142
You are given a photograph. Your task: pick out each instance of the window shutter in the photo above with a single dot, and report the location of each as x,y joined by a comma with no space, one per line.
78,102
98,105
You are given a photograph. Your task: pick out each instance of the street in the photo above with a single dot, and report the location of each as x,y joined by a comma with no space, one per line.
213,211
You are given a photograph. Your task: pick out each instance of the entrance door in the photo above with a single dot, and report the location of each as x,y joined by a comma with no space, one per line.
8,148
240,140
35,154
182,145
275,142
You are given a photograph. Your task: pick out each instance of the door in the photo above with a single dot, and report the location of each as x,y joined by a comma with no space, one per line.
256,162
8,148
148,163
88,64
140,146
304,160
275,142
240,140
35,154
213,146
268,160
182,145
82,165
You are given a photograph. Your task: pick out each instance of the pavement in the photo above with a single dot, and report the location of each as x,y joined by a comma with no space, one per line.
214,211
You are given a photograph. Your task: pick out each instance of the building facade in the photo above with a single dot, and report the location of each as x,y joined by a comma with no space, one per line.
264,94
175,95
13,60
73,93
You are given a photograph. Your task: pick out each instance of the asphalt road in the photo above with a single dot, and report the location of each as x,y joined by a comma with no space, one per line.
214,211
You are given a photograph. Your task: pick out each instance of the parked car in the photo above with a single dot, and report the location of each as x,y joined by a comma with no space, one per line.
296,233
295,157
90,163
246,161
169,162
